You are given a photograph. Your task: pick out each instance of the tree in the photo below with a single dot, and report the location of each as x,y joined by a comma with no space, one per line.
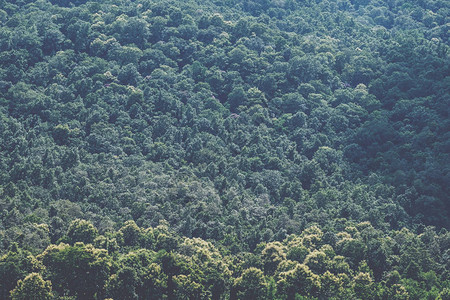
444,295
123,285
198,71
396,292
363,285
79,32
331,285
251,285
317,261
81,231
187,287
130,234
271,256
32,287
236,98
61,134
208,265
171,266
14,266
80,270
299,280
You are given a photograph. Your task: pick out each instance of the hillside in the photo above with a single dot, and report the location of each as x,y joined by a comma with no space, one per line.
225,149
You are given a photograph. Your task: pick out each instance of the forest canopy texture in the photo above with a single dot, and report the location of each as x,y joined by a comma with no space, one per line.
225,149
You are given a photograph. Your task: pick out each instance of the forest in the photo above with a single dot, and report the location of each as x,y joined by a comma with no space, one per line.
225,149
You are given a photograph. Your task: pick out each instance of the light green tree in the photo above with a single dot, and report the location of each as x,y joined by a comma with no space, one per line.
32,287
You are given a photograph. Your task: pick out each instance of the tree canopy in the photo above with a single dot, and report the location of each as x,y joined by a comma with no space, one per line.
224,149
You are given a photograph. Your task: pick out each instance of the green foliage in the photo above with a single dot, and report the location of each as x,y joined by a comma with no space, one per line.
195,268
81,231
251,285
363,286
78,270
14,266
32,287
444,295
299,280
224,149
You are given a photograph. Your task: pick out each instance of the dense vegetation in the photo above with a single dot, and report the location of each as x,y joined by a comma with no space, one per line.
224,149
